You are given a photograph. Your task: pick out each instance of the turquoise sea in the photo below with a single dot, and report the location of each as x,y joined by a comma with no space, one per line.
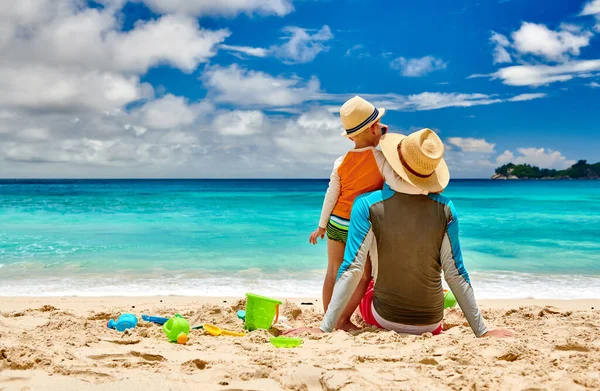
520,239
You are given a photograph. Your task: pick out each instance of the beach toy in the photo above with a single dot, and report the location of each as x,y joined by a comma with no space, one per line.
449,299
155,319
124,322
177,329
286,342
241,314
260,312
216,331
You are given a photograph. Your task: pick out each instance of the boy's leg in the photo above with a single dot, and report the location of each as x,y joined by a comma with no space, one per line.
345,322
335,257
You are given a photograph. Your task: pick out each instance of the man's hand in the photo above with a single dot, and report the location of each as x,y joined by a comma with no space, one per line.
301,330
319,232
498,333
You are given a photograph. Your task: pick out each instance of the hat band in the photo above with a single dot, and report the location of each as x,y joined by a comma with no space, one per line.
365,122
407,166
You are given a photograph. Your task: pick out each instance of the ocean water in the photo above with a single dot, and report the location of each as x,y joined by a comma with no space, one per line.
520,239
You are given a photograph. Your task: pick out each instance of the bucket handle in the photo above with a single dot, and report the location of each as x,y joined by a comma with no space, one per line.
276,314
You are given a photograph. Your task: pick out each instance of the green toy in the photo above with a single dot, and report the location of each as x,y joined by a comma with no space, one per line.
177,329
286,342
449,299
260,312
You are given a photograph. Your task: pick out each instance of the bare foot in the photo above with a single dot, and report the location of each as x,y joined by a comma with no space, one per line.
346,325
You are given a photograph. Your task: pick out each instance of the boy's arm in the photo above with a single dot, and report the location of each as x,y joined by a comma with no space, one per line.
360,238
333,192
456,275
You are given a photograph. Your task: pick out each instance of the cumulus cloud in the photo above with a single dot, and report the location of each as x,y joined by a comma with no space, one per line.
415,67
313,136
243,87
221,8
240,122
167,112
469,144
540,157
594,85
591,8
301,45
500,42
39,87
552,45
505,158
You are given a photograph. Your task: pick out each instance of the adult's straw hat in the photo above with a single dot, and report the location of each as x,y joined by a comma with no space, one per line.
357,114
417,158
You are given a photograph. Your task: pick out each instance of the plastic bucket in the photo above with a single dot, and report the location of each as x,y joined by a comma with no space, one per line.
449,299
261,312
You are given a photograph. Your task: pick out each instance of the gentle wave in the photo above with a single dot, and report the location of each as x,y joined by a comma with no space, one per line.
486,285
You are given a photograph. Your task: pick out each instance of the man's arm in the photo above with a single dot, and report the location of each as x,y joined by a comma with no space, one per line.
360,238
456,275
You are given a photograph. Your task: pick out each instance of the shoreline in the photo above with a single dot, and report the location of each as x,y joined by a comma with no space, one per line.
83,303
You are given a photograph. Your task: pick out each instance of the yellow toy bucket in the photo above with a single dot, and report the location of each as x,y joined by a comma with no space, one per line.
261,312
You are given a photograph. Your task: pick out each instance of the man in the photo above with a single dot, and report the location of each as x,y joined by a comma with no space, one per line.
411,239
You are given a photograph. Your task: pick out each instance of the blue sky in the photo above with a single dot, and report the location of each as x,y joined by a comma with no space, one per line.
247,88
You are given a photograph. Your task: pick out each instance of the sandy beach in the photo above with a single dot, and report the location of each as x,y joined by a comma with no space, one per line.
63,343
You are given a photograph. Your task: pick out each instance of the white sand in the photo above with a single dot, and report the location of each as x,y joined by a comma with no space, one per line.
63,343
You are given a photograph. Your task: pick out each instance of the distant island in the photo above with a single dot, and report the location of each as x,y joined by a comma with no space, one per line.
579,170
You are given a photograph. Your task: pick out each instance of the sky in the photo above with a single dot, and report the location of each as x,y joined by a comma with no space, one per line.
252,88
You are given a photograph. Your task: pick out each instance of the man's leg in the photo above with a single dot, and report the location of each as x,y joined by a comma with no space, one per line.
345,322
335,257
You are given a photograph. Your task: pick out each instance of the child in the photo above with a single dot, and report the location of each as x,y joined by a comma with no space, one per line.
361,170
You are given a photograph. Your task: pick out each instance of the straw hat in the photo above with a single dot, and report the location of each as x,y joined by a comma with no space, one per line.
357,114
417,158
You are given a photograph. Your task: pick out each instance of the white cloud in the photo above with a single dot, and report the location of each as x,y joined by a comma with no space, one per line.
253,88
301,45
172,39
240,122
501,55
506,157
221,7
540,157
358,52
591,8
90,39
537,75
414,67
43,88
167,112
525,97
470,144
429,100
314,136
552,45
250,51
594,85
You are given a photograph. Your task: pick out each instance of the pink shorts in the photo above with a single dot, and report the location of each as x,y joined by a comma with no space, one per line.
366,309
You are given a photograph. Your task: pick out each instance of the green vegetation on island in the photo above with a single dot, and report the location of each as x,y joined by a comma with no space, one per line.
579,170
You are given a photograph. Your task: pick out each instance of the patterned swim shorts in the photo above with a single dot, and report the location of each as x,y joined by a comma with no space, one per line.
337,229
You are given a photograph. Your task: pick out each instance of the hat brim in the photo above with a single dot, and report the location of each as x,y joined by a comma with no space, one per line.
381,114
433,184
